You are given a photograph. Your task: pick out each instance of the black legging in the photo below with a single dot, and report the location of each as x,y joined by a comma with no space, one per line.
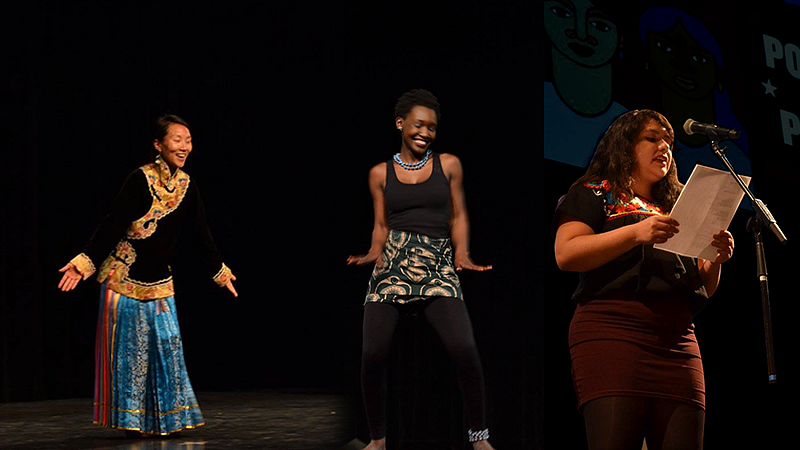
622,423
449,318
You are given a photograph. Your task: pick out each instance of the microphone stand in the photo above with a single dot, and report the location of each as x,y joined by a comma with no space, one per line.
755,224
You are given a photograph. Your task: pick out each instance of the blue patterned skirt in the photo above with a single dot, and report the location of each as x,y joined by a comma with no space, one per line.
140,375
413,267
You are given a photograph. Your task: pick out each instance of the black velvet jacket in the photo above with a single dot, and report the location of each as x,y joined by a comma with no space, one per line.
135,240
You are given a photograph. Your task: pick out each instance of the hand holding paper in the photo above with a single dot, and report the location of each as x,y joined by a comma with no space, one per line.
706,205
724,244
656,230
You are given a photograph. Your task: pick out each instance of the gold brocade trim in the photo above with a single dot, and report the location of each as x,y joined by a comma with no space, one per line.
115,268
223,276
84,265
117,264
143,291
142,411
167,195
165,175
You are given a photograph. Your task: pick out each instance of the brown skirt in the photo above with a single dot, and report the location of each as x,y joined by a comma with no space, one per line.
636,345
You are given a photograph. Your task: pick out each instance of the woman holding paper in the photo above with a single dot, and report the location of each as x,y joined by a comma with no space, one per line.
636,364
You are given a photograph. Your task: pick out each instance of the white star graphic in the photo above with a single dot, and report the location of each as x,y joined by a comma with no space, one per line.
769,88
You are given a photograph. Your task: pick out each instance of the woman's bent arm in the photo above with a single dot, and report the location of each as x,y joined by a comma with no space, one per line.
579,249
380,229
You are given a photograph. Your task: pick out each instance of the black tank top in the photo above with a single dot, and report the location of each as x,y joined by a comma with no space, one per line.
422,208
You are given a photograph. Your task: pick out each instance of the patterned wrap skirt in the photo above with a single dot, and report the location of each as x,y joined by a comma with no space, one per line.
140,375
413,267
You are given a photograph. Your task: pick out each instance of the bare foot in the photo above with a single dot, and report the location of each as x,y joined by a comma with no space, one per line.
379,444
482,445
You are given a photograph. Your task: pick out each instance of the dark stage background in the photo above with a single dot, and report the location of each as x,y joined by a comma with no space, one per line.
743,410
289,106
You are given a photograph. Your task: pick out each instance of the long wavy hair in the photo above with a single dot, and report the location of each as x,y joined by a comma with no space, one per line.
614,159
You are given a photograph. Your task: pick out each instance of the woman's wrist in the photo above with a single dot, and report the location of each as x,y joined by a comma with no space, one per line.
83,265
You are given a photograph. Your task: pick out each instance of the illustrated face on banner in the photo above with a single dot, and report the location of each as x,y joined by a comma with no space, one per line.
684,60
580,31
682,65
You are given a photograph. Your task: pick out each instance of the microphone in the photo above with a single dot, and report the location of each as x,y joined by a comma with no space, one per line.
691,127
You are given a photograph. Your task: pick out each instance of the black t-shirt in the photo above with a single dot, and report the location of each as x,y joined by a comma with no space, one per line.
642,270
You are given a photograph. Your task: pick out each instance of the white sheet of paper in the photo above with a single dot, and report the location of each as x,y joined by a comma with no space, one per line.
705,206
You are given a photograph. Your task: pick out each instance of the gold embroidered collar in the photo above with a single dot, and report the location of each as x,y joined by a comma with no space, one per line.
165,175
165,198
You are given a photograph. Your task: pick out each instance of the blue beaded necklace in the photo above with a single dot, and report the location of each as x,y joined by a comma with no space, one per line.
414,166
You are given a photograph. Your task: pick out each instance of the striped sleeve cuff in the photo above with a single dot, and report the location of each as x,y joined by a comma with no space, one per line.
223,276
84,265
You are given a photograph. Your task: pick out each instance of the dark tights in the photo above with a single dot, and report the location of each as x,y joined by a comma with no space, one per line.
622,423
449,318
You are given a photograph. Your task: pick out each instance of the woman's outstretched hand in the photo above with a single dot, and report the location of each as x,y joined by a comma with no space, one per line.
462,262
70,279
361,260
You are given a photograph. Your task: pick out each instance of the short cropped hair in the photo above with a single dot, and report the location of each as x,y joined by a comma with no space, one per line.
416,97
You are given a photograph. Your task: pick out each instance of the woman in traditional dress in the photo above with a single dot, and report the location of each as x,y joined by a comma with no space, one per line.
636,365
141,383
420,239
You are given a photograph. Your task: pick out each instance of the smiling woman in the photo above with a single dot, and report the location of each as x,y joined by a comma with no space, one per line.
420,210
174,141
141,383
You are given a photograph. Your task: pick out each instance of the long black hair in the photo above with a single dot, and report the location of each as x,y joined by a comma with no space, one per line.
614,159
161,127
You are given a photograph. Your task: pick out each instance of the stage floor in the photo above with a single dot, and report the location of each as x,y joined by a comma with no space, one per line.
234,420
